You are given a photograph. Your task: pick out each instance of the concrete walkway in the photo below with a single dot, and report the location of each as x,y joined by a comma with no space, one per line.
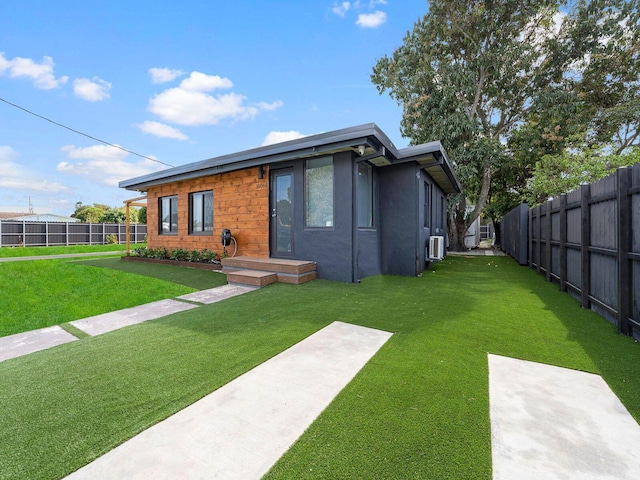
554,423
13,346
62,255
240,430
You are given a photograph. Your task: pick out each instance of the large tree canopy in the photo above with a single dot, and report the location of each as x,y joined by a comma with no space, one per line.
492,79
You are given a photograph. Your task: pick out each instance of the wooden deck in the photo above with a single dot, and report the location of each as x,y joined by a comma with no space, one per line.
258,272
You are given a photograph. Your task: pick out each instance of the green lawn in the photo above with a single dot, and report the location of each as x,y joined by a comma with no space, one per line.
6,252
41,293
418,409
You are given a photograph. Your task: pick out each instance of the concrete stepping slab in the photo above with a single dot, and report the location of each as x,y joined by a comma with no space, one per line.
216,294
556,423
108,322
13,346
240,430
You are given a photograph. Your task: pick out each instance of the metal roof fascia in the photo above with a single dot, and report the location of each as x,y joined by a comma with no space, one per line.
266,155
356,134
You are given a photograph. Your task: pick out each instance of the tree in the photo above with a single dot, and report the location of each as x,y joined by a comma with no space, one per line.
561,173
142,215
484,77
114,215
88,213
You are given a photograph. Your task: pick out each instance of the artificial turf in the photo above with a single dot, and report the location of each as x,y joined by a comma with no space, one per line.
7,252
418,409
37,294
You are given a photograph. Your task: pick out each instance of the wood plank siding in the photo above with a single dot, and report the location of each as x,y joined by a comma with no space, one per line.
240,203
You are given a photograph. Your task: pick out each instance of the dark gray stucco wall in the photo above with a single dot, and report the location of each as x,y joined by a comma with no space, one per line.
398,216
330,247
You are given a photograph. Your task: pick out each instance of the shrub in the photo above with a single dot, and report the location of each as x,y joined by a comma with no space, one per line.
179,254
111,239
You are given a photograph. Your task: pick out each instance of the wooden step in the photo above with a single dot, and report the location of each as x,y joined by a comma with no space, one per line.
252,277
286,270
276,265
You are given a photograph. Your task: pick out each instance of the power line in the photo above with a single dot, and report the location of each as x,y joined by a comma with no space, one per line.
84,134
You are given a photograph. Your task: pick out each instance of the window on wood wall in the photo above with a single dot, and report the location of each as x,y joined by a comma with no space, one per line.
201,213
168,208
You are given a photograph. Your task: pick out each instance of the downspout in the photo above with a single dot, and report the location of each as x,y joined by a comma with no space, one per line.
418,225
354,222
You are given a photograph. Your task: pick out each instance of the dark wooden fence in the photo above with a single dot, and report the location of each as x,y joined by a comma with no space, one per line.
32,234
588,241
513,233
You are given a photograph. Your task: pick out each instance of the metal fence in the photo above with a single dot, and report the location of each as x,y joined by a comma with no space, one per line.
588,241
40,234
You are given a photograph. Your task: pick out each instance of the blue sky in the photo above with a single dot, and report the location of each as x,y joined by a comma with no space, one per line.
179,82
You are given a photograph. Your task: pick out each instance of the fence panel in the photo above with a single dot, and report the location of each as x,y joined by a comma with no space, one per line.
513,236
40,234
589,241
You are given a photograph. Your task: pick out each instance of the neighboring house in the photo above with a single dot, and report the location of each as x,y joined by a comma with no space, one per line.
36,217
347,199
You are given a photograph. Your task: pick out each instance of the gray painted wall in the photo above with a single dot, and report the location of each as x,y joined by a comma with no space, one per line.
396,244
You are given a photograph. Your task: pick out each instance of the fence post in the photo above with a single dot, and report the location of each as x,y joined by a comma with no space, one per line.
585,240
624,245
548,250
46,234
530,235
538,238
67,233
0,233
562,255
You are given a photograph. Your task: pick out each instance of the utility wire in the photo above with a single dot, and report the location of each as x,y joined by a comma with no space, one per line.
81,133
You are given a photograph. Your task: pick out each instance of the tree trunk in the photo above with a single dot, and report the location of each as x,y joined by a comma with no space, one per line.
458,222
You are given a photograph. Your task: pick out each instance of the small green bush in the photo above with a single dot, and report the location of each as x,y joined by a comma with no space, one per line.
111,239
179,254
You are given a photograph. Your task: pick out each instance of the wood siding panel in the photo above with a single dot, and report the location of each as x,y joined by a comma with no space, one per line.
240,203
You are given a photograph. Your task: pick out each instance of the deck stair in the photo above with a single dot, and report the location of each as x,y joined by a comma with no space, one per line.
264,271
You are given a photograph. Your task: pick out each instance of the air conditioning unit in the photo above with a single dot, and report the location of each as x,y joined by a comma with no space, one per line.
436,248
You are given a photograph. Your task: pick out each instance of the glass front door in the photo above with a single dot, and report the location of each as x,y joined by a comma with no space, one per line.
282,212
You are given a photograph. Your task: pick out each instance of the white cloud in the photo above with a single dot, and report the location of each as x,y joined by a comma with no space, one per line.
41,73
278,137
189,104
200,82
15,176
104,164
341,9
161,130
371,20
93,90
163,75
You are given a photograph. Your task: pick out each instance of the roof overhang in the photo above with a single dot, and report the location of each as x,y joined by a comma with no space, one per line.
367,141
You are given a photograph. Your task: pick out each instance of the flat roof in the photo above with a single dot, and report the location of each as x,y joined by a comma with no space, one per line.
377,148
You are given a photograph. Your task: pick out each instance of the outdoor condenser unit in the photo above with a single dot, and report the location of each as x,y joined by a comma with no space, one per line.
436,248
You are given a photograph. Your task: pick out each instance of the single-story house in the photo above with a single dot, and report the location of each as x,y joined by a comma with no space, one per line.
348,200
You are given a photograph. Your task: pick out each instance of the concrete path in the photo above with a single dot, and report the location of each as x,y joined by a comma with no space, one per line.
487,252
62,255
240,430
554,423
107,322
216,294
13,346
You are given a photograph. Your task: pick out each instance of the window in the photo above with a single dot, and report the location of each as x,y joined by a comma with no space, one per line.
201,213
319,192
168,215
365,195
427,219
